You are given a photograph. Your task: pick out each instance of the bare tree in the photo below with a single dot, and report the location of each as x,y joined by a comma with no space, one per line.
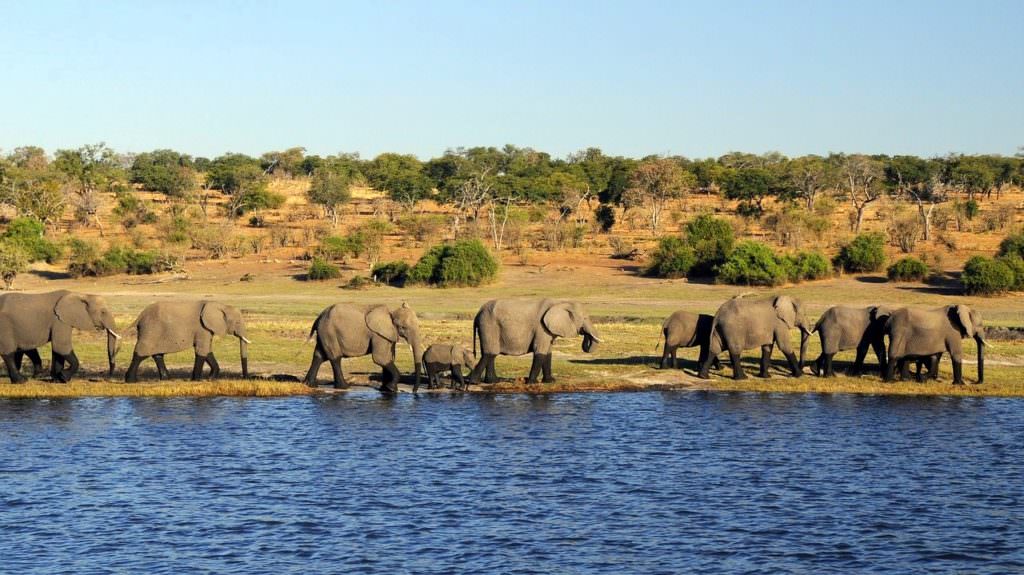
657,181
862,178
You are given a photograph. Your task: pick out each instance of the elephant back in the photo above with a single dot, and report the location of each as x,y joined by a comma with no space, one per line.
167,327
342,331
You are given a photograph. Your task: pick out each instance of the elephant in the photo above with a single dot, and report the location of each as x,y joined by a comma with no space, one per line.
921,333
686,329
517,327
742,324
50,317
347,330
8,348
844,327
441,357
169,327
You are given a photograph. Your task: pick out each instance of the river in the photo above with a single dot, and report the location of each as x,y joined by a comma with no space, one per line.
579,483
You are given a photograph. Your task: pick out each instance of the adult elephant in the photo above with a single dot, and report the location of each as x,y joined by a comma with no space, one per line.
517,327
741,324
845,327
38,319
346,330
170,327
686,329
923,333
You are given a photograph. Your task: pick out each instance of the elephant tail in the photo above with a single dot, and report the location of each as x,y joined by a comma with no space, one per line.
476,329
817,324
312,334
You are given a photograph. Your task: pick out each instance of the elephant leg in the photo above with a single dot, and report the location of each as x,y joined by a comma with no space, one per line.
535,366
197,367
161,367
675,362
879,347
338,374
12,369
390,383
56,365
933,367
457,379
478,369
214,366
890,369
18,355
492,375
546,366
766,357
958,375
830,370
665,355
132,375
65,374
858,364
314,366
737,368
37,362
919,374
905,369
702,356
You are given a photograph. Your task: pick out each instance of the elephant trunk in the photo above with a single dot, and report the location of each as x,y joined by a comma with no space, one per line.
981,357
243,352
590,339
804,337
113,344
417,359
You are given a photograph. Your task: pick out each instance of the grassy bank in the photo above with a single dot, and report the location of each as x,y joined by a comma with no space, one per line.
174,388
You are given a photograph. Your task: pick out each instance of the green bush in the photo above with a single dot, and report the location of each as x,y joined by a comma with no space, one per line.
392,273
13,261
605,216
85,260
1016,265
866,253
462,263
673,259
27,234
971,209
805,266
1012,245
712,241
752,263
985,276
908,269
322,270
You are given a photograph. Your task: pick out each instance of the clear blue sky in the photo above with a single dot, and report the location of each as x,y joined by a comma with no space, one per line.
632,78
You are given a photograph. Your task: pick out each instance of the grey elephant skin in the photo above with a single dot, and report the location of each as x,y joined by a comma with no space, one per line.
845,327
741,324
346,330
441,357
170,327
923,333
38,319
518,327
686,329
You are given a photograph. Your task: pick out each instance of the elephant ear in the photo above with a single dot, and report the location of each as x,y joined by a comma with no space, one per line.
785,308
963,315
560,321
73,310
213,319
379,321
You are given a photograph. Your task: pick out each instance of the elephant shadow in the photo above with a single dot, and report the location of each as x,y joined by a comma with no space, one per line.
645,360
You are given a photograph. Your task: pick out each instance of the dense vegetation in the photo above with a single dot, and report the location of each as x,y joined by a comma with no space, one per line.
505,195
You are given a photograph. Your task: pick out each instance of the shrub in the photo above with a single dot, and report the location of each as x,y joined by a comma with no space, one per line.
971,209
27,234
605,216
462,263
339,248
322,270
866,253
908,269
13,261
752,263
985,276
712,241
392,273
673,259
1016,265
1012,245
805,266
422,227
86,260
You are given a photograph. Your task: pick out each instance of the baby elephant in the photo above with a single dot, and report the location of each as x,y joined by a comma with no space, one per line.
441,357
685,329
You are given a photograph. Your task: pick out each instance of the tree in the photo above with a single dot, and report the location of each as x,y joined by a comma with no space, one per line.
330,189
916,179
164,171
90,170
289,162
244,181
401,177
862,178
808,176
751,186
975,175
31,186
655,182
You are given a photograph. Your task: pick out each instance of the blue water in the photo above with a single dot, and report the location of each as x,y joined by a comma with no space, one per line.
589,483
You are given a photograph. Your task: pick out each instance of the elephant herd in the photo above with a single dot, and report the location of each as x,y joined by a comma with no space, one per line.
511,327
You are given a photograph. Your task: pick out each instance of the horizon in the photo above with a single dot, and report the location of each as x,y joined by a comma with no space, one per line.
695,80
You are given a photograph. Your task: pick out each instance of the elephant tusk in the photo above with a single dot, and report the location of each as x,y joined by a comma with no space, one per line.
113,333
245,339
595,338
